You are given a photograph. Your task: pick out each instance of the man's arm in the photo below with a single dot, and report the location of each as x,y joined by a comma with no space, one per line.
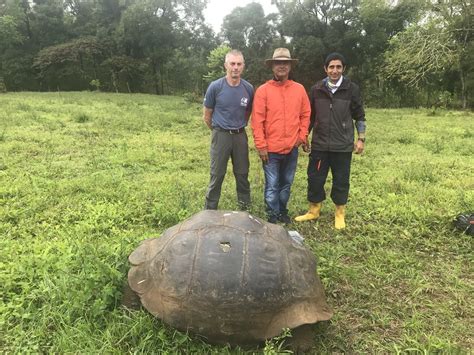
313,110
207,116
358,114
305,113
209,104
247,115
251,93
258,124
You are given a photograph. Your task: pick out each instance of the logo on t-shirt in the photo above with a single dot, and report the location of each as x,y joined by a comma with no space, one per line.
244,101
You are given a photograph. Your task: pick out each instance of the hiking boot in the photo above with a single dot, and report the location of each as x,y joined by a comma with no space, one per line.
284,218
243,206
272,219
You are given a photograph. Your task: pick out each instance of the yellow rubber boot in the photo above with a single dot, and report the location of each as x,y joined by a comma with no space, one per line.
339,222
313,212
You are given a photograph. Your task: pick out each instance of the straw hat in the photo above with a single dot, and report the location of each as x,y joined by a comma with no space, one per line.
281,54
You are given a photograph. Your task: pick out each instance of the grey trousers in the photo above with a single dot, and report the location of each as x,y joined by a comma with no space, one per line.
224,146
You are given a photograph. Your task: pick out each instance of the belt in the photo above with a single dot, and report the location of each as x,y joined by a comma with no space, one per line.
230,131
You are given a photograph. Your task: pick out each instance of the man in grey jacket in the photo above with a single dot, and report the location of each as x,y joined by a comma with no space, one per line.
227,107
336,107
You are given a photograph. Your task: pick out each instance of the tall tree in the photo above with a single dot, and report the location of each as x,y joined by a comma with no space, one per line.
163,32
379,22
17,55
46,19
440,43
306,24
9,34
249,30
215,63
71,65
186,67
147,33
9,37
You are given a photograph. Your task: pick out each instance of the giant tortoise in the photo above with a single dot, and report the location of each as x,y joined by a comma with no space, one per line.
230,277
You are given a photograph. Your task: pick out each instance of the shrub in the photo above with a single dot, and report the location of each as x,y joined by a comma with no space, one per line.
96,84
3,88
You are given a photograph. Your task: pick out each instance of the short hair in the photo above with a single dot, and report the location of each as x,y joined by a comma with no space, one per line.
334,56
235,52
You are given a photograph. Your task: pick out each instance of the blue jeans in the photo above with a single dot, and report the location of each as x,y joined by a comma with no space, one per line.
279,175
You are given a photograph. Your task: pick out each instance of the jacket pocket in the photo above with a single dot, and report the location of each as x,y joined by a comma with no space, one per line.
348,132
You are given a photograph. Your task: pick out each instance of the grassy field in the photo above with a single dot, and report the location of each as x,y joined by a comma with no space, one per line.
84,177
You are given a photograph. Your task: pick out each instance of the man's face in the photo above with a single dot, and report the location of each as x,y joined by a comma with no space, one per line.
334,70
281,69
234,66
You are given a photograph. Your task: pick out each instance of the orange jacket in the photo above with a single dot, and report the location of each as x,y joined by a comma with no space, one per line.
280,116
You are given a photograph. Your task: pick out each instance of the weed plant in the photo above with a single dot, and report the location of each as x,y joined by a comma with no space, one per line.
84,177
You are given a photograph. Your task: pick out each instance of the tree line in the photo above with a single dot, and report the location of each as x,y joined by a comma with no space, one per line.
402,53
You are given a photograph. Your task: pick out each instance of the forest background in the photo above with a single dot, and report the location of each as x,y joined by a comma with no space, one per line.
406,53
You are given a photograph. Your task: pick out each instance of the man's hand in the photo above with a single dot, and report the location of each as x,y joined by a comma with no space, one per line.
359,147
263,154
304,144
207,116
298,142
306,147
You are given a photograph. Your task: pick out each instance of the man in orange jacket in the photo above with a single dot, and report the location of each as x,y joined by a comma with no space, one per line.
280,121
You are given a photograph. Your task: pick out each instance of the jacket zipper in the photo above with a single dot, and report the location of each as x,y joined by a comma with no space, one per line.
330,123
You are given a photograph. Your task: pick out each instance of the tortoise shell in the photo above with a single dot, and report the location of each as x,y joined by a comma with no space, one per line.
230,277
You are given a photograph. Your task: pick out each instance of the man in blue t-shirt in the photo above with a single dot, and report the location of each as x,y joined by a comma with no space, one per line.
227,108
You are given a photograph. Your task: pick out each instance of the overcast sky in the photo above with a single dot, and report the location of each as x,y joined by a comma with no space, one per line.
216,10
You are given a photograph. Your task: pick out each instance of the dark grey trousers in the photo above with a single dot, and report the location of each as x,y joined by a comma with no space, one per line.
318,168
224,146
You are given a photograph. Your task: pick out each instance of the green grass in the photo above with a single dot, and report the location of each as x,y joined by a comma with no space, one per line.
84,177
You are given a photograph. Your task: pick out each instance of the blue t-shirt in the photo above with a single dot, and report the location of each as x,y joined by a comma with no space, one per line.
230,103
